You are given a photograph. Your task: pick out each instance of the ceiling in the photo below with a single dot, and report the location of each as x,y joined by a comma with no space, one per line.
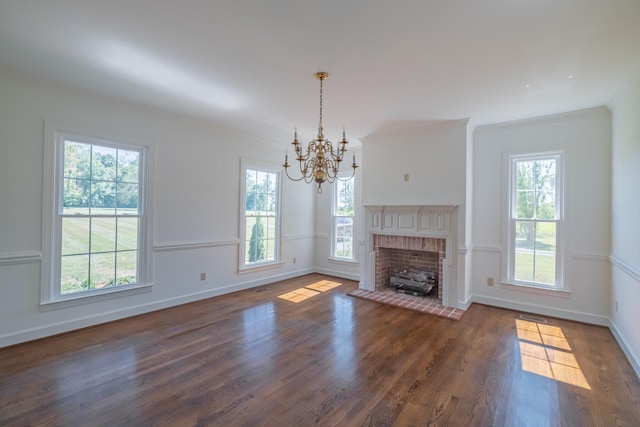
251,63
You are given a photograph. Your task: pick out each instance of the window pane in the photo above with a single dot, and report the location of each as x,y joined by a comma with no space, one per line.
524,204
102,270
126,267
524,250
525,175
525,234
103,234
128,166
77,160
523,266
75,236
127,198
103,163
127,233
74,271
545,255
256,248
76,196
103,198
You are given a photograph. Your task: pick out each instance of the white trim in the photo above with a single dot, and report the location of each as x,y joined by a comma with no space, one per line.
350,276
623,265
536,289
99,296
15,258
343,261
298,236
634,360
185,245
493,249
542,310
260,267
590,256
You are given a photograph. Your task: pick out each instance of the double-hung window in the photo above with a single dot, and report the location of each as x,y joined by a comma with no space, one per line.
260,222
535,220
343,216
95,220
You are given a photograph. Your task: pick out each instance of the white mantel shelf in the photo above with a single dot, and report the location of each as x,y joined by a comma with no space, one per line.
426,220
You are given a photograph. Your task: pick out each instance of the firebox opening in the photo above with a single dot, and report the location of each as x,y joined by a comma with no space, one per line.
411,272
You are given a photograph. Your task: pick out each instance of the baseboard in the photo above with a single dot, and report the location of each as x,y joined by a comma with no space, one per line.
336,273
543,310
626,349
84,322
464,305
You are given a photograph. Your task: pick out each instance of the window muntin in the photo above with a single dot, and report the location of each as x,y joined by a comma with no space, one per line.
99,217
261,216
343,219
535,220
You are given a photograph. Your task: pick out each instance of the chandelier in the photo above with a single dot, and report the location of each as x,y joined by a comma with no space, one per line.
319,163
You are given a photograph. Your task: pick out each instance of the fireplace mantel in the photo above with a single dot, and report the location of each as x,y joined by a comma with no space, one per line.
431,220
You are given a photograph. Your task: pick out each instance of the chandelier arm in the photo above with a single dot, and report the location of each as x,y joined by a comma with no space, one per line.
286,171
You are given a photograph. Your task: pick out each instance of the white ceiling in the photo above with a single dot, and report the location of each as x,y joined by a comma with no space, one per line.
390,63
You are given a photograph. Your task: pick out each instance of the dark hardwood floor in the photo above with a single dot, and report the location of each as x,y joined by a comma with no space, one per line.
254,359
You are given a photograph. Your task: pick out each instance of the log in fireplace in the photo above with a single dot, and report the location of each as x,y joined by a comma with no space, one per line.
414,282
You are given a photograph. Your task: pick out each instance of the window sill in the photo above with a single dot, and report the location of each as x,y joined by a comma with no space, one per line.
533,289
93,297
260,267
343,261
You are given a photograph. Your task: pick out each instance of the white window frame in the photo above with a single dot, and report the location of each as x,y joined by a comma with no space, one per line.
510,223
251,164
53,171
334,218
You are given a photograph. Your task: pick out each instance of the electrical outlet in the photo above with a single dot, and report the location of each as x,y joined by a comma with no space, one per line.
203,276
294,260
616,306
489,281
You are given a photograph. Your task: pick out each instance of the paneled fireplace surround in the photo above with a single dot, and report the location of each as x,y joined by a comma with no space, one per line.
408,236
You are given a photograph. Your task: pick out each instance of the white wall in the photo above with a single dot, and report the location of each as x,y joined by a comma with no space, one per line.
585,139
196,208
625,244
434,157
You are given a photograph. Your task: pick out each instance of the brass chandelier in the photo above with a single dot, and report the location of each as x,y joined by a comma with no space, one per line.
319,163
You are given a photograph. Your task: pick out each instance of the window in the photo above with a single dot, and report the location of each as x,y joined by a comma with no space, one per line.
261,215
95,221
535,220
343,215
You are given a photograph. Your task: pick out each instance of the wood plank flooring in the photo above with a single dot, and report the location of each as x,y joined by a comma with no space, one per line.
254,359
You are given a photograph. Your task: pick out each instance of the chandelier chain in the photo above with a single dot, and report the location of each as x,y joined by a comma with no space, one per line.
321,130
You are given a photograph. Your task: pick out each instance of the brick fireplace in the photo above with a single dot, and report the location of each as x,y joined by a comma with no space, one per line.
420,237
391,252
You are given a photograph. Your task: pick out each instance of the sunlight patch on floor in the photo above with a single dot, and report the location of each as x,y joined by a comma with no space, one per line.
309,291
544,351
